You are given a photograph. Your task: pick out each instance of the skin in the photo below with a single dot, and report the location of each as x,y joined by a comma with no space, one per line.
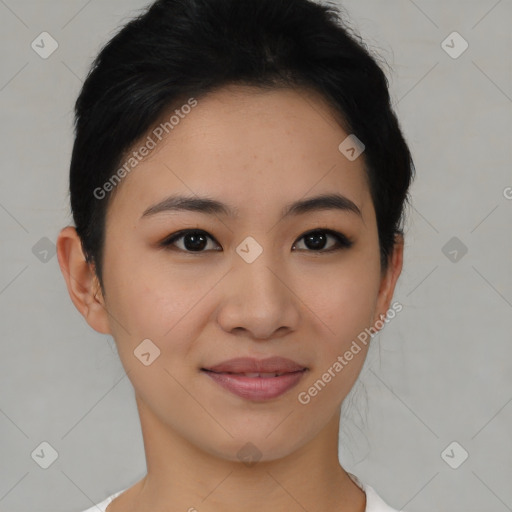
256,151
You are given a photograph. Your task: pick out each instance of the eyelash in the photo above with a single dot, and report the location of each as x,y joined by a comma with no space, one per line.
343,241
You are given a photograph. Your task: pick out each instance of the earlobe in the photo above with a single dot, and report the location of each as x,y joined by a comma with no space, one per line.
81,280
390,278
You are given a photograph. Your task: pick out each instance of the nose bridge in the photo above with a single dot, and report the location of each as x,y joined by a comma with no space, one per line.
258,271
263,277
258,297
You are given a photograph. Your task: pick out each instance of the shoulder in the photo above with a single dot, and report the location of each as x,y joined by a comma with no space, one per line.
374,503
101,507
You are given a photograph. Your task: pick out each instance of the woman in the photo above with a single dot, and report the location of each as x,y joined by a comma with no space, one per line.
238,182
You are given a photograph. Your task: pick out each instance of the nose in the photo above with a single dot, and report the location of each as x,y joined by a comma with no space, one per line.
258,299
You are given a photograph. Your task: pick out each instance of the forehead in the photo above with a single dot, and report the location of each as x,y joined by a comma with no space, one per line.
253,148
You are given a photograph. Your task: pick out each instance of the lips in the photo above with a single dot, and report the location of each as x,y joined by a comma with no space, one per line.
251,367
257,379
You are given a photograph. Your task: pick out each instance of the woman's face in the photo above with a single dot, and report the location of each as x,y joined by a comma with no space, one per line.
254,286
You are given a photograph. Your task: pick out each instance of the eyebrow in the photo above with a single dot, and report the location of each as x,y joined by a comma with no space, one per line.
213,207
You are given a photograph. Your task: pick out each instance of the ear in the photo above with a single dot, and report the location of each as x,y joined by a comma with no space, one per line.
81,280
389,278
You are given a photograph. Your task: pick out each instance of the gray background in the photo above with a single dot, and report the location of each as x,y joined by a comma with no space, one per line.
440,372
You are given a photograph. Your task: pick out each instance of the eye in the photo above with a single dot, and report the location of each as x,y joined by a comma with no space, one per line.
195,240
316,240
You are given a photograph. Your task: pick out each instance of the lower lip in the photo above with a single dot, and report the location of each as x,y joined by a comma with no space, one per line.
256,388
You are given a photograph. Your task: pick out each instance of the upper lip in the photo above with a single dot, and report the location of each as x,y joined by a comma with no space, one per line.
252,365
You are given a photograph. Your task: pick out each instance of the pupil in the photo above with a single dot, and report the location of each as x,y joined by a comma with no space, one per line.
198,241
315,236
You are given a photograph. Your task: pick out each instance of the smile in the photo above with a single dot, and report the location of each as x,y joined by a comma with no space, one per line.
256,386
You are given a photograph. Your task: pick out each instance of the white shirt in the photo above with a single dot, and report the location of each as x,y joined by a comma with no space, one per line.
374,503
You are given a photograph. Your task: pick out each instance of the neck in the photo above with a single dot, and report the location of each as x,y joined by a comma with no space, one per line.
182,477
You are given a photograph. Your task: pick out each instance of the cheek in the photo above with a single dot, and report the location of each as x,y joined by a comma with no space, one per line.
150,300
344,297
351,305
343,306
343,301
147,307
147,296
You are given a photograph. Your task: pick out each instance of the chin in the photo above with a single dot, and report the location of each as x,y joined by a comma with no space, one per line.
254,445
